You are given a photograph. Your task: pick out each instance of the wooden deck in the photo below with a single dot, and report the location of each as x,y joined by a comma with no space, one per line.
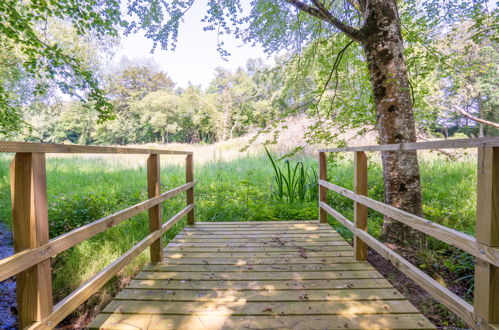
259,275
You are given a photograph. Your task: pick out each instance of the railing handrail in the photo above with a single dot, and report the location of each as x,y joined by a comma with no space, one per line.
424,145
484,247
6,146
31,263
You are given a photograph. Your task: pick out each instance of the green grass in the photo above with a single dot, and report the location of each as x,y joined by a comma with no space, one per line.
81,190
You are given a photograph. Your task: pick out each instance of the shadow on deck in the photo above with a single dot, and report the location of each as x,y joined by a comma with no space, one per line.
259,275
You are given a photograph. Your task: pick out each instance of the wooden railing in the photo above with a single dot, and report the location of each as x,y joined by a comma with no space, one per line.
31,262
485,247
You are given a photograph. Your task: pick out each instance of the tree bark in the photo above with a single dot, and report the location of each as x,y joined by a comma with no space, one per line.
383,46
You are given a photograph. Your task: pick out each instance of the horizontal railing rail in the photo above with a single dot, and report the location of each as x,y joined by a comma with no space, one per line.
485,247
426,145
80,149
31,263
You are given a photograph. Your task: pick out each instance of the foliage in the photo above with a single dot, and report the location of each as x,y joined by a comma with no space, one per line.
81,190
293,183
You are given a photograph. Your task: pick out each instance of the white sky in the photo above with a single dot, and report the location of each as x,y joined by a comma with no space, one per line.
196,56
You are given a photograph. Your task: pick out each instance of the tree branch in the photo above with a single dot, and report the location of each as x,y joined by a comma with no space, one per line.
322,13
479,120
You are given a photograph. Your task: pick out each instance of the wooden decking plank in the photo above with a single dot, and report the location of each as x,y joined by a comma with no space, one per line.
259,249
259,236
277,231
239,223
260,296
259,261
218,322
256,240
277,254
257,268
256,244
305,228
241,307
259,276
260,285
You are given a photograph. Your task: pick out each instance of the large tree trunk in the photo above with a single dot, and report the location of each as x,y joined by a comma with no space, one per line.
383,46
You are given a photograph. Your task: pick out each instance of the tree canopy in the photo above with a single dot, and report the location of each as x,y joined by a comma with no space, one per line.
318,71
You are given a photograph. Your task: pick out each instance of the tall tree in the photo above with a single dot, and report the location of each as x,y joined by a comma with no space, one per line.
376,26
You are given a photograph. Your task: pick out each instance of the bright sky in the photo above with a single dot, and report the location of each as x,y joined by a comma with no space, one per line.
196,56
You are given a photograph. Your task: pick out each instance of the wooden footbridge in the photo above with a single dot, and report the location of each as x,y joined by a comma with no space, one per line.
249,275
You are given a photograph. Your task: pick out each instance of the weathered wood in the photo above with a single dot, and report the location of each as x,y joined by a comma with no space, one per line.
263,249
258,268
225,254
329,284
258,276
23,260
222,296
360,211
247,233
453,237
258,223
189,177
219,322
428,145
456,304
30,230
154,190
271,285
487,232
256,235
345,258
322,190
27,147
312,245
259,308
192,239
77,297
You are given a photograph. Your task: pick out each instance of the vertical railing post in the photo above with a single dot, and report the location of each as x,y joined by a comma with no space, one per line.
322,190
30,229
360,211
155,219
487,233
189,177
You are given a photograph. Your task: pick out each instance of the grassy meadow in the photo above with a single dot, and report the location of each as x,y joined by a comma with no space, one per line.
84,189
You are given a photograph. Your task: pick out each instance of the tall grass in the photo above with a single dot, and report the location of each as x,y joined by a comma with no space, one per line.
292,183
81,190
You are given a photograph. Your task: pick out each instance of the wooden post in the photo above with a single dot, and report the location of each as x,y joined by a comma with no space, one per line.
154,190
322,190
30,230
360,211
487,232
189,177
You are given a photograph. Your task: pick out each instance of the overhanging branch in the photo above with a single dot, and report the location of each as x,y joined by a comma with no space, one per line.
478,120
321,12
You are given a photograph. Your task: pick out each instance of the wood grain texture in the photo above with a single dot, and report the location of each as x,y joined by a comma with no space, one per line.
189,177
456,304
23,260
153,191
360,211
427,145
271,281
322,190
453,237
28,147
216,322
30,230
80,295
487,233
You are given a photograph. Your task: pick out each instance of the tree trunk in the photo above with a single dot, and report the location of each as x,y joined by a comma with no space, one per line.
383,46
